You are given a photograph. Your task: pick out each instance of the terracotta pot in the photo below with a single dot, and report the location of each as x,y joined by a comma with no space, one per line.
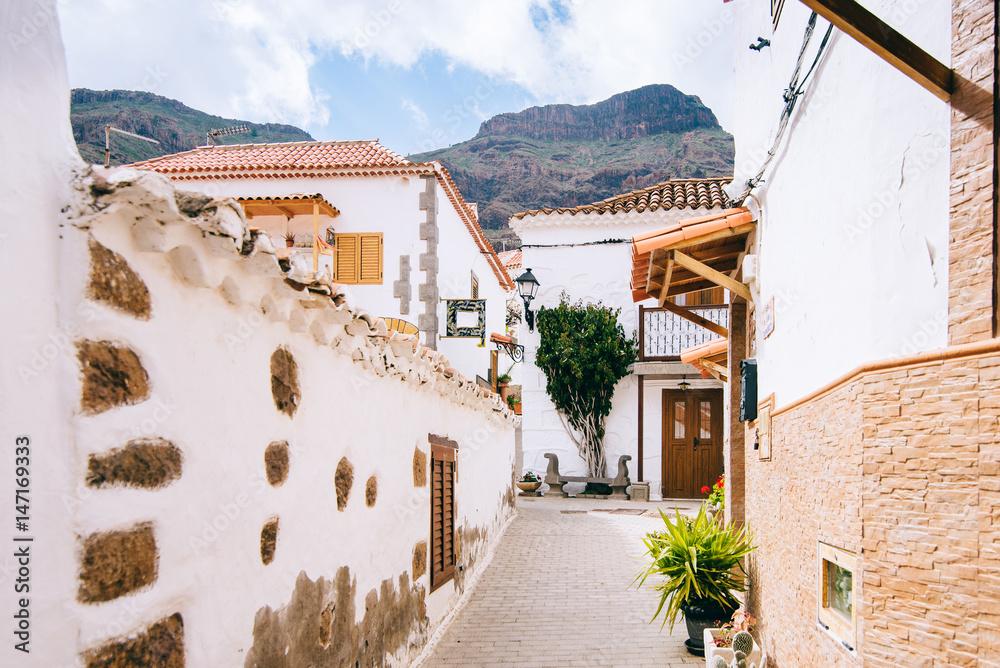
504,390
290,243
528,486
517,408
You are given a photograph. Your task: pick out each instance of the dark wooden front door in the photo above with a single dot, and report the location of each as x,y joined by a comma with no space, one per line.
692,442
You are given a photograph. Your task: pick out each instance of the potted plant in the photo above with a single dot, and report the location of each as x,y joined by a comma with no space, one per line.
700,563
503,382
720,641
514,403
716,496
289,239
529,483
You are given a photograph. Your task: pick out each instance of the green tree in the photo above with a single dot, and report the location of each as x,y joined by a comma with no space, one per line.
584,353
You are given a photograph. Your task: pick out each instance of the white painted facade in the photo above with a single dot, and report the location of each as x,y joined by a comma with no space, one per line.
852,232
390,205
216,319
594,273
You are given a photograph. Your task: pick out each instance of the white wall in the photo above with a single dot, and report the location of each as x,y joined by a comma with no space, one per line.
216,319
853,232
592,273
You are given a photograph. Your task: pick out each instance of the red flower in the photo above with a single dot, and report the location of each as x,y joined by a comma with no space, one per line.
721,482
705,490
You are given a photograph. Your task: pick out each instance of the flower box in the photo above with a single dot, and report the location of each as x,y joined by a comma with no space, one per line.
711,651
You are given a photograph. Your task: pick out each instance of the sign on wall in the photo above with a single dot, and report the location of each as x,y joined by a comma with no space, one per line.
767,317
466,318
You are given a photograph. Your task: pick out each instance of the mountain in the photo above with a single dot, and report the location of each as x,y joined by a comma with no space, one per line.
176,126
567,155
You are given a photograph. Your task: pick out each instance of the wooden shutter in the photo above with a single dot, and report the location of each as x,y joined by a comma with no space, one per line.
442,511
370,258
346,269
358,258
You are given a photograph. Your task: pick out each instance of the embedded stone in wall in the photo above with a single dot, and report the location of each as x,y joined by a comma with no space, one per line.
402,288
371,491
112,376
115,283
419,560
161,645
145,463
419,468
268,540
115,563
343,480
285,382
276,462
318,627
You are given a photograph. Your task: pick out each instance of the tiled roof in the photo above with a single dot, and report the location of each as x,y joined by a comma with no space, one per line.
510,259
307,155
675,194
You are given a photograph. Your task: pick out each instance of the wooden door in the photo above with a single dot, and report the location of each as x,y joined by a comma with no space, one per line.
692,442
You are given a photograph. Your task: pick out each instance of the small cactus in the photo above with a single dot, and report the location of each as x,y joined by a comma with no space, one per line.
719,662
743,642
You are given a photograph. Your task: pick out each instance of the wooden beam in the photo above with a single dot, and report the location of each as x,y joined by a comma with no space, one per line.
652,265
315,236
716,370
727,251
712,275
696,319
687,288
886,43
665,289
744,229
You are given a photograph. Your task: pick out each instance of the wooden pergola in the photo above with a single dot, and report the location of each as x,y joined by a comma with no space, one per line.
291,207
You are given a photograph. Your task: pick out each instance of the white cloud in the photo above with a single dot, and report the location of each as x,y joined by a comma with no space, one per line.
418,115
258,58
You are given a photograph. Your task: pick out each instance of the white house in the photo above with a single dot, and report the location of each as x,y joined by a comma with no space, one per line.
404,240
581,251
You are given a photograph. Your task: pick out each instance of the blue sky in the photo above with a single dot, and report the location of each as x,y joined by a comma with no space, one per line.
416,74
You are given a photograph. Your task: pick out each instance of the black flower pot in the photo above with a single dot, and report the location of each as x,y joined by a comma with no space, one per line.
700,615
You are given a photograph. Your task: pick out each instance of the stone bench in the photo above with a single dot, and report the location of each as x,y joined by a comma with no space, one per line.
555,480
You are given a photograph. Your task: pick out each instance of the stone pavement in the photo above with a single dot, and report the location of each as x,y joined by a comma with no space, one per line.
559,593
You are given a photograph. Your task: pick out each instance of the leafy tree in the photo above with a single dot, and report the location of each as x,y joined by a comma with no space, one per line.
584,353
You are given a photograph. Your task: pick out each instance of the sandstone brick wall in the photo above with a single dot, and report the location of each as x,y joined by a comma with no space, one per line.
900,466
971,257
809,491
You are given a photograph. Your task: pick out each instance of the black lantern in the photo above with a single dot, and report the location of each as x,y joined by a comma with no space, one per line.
684,384
527,285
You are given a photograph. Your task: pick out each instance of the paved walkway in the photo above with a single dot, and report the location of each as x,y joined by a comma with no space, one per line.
559,593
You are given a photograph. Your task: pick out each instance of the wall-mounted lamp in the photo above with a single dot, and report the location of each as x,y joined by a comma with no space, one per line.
684,385
527,286
761,43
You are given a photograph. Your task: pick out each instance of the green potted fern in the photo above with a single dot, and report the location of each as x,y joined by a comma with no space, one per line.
699,564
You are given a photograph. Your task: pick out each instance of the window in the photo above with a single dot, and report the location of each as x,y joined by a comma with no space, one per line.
358,258
442,541
475,286
836,593
776,6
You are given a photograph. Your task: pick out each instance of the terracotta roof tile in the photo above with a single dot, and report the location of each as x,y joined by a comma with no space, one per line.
303,155
675,194
510,259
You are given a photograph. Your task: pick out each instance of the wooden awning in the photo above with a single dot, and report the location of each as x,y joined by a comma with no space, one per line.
711,358
289,206
692,255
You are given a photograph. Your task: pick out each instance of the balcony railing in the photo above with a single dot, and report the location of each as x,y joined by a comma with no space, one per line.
664,334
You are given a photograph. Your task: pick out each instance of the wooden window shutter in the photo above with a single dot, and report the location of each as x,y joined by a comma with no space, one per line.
346,265
358,258
442,541
370,258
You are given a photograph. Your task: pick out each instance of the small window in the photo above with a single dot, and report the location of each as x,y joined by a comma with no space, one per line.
358,258
475,286
836,593
776,6
442,541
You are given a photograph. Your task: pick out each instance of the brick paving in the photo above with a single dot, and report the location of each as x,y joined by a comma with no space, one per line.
559,593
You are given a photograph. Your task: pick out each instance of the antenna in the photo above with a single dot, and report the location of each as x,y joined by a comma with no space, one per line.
107,141
222,132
